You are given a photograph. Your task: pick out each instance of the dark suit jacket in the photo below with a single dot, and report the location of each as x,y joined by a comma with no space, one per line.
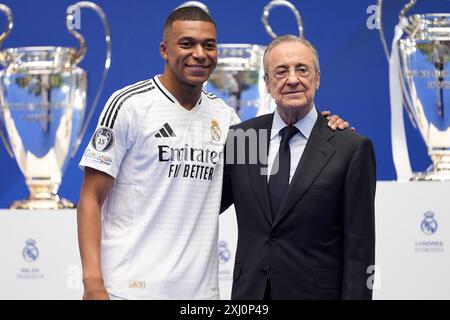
322,240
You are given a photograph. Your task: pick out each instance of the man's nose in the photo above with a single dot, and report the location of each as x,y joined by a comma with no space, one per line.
199,52
292,78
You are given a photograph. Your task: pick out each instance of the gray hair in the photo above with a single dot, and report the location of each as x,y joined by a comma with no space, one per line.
288,38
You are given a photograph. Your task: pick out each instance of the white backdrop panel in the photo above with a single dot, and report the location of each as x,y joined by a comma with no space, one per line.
40,259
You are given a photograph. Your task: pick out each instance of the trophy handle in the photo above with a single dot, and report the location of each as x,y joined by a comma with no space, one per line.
284,3
7,11
198,4
80,54
406,8
379,19
3,136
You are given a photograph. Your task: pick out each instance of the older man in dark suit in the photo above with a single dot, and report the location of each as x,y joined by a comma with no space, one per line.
306,229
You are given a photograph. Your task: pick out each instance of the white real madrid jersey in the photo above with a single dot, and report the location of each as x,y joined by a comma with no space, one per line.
160,220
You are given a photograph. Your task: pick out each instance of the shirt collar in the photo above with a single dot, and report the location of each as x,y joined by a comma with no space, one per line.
169,95
304,125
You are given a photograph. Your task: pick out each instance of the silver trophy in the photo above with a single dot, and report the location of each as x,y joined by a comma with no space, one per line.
43,108
239,75
420,78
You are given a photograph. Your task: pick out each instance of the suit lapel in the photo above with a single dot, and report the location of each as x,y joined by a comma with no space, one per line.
317,153
257,179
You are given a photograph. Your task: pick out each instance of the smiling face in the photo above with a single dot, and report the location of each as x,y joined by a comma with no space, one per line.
190,51
293,90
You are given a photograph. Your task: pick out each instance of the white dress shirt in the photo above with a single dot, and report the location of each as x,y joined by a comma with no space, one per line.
297,143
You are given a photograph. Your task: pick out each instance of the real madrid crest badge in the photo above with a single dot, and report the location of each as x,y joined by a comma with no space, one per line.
30,252
429,224
216,133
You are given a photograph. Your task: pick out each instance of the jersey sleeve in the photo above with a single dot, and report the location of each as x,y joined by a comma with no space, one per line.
234,118
112,138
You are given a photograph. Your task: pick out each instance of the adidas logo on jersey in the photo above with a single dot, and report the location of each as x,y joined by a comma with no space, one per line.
165,131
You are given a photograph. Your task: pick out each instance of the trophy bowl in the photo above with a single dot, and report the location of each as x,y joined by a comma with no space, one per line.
239,79
425,56
239,75
43,113
43,106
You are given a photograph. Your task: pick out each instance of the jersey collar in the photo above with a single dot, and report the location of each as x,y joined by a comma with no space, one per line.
170,96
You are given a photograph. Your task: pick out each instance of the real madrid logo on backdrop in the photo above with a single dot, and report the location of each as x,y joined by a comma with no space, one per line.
30,252
216,133
103,139
224,252
429,224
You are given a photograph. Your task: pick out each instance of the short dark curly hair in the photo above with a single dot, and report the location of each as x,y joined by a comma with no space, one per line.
187,14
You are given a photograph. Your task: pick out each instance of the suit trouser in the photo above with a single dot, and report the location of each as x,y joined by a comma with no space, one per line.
268,291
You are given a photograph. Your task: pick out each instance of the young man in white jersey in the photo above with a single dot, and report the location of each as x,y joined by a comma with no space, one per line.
150,199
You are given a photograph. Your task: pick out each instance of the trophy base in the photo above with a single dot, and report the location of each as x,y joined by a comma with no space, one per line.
443,175
43,204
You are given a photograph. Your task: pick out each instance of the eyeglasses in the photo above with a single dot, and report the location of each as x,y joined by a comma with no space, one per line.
300,71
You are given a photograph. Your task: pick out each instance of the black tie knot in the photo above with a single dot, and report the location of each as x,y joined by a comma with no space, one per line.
287,133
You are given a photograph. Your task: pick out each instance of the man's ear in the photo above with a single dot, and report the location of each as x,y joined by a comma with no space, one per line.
266,81
163,50
318,80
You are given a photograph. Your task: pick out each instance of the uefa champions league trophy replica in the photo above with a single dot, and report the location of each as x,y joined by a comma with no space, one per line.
43,109
420,80
239,75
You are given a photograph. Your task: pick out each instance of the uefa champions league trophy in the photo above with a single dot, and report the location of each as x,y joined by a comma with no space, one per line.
43,109
239,75
420,80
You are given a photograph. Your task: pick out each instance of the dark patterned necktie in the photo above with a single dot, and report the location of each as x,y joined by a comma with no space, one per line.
279,180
